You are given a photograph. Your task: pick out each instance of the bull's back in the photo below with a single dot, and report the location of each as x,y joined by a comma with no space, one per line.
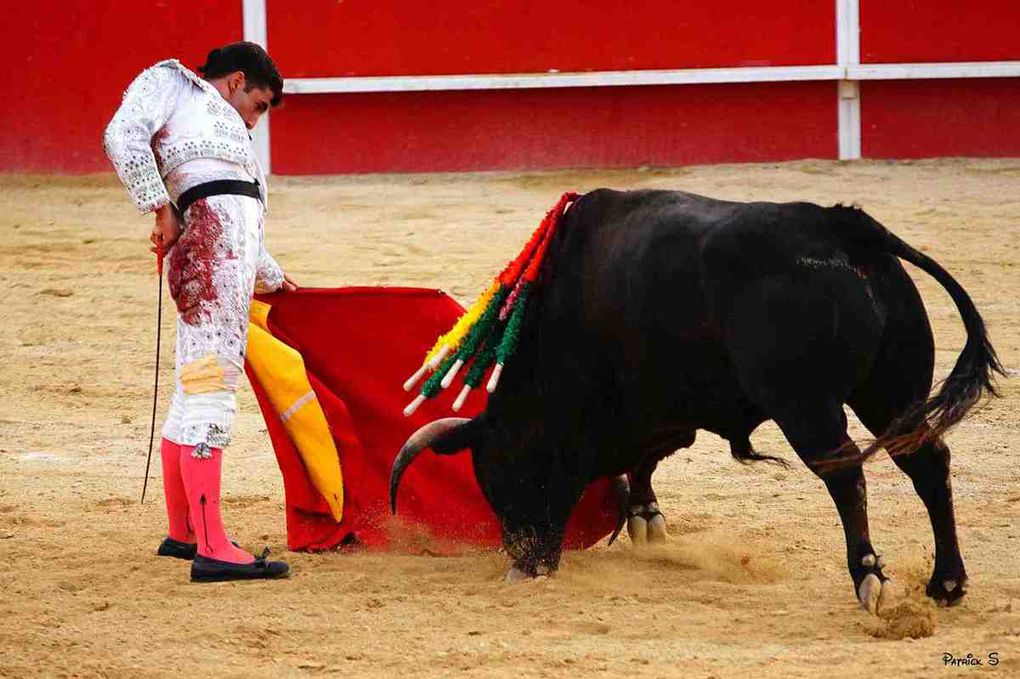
646,252
665,277
641,260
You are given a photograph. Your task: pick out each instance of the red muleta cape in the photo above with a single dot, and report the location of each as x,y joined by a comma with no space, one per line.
358,346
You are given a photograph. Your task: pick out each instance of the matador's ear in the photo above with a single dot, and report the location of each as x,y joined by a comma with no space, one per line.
235,81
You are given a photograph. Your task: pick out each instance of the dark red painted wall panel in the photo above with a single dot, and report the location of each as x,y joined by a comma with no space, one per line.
67,63
928,118
518,129
939,30
399,37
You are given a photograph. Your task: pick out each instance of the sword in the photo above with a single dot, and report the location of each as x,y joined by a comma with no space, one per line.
155,387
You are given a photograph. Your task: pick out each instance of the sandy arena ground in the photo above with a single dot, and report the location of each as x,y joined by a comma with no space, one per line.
752,581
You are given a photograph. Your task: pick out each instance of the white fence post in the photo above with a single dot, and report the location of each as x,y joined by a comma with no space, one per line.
256,30
848,54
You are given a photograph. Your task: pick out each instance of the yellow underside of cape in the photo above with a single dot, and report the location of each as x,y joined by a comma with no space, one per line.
281,373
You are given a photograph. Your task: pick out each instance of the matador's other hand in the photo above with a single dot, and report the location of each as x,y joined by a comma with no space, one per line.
167,228
288,284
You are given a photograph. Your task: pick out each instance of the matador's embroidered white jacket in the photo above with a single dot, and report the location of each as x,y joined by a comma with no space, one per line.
170,116
174,131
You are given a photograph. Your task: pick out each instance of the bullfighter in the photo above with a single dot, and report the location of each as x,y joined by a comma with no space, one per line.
180,144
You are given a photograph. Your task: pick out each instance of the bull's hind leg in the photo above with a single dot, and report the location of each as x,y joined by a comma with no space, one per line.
799,344
817,431
900,377
928,469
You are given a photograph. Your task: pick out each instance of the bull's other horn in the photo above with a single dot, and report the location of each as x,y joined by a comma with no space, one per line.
419,441
620,486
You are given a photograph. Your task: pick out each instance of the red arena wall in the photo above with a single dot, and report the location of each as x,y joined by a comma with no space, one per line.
744,81
67,63
618,127
937,117
927,118
939,30
396,37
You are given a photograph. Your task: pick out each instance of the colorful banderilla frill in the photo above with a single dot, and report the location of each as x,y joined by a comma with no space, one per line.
488,333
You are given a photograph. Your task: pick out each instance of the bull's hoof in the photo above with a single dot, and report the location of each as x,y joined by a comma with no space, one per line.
875,591
870,592
637,529
945,590
657,529
516,574
646,525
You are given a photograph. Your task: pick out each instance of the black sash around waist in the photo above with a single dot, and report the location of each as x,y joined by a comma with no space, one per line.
219,187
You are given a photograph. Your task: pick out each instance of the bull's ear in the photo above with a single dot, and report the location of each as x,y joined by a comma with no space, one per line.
457,439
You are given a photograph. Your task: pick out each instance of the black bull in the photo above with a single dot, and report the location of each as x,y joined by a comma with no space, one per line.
661,313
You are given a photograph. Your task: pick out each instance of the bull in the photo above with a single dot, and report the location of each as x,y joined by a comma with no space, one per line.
661,313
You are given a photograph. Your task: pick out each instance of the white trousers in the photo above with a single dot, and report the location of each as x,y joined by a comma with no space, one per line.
211,272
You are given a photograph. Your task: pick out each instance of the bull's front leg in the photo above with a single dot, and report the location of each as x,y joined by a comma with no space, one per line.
645,523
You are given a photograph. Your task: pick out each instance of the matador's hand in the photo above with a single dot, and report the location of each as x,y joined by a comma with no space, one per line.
167,228
288,284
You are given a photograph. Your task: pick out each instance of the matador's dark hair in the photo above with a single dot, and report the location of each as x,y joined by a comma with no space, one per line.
249,58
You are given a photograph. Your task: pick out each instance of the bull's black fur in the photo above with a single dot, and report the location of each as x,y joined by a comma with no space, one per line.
660,313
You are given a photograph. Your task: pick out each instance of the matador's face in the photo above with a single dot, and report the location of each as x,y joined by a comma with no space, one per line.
249,101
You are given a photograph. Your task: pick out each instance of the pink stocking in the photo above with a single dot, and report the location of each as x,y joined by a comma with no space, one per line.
173,490
201,475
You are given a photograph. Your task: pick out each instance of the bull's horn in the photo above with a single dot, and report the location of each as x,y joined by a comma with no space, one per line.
620,486
419,441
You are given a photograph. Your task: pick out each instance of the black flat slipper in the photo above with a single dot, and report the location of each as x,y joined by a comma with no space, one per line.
204,569
177,549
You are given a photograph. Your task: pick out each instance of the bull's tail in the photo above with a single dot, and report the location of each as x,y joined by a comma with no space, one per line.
973,374
971,377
